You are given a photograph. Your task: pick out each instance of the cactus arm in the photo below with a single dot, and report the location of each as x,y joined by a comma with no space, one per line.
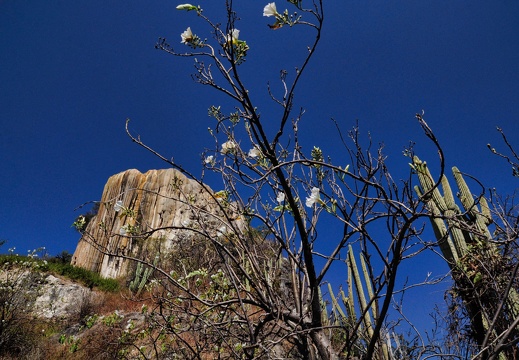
324,309
426,180
441,233
336,309
448,195
374,303
369,287
360,292
485,210
469,204
134,283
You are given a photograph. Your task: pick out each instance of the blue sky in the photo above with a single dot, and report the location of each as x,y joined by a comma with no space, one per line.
71,72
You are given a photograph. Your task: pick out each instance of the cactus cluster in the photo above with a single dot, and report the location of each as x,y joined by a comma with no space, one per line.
455,230
346,317
142,275
479,267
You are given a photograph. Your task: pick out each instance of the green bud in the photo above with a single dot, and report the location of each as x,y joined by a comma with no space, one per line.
187,7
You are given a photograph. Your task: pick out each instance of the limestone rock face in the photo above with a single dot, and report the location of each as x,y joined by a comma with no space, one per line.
60,299
166,207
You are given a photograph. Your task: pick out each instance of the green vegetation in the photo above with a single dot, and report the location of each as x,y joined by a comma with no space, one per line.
58,267
86,277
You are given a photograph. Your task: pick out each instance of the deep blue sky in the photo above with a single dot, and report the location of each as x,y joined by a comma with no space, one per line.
71,72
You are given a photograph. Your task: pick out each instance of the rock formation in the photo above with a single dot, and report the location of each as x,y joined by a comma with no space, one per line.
166,207
60,299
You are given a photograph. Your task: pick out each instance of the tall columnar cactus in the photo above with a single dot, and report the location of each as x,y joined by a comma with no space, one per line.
368,306
142,275
480,270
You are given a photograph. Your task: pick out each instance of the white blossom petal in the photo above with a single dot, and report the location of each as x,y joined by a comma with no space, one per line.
280,198
313,198
118,205
186,36
270,10
254,152
233,36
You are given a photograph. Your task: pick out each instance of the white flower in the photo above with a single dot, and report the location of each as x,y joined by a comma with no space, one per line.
314,197
118,206
221,231
209,159
228,146
270,10
123,230
280,198
187,36
254,152
187,7
233,36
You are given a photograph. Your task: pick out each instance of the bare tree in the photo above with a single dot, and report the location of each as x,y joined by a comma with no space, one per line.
257,283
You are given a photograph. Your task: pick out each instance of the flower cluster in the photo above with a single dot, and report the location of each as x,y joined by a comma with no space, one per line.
128,230
281,19
239,47
209,160
282,205
190,39
229,147
317,154
80,223
232,37
222,195
122,210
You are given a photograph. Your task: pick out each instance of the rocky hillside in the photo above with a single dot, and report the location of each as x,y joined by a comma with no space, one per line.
48,316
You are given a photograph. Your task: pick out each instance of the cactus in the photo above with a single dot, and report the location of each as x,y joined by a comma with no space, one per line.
456,231
347,317
466,242
141,277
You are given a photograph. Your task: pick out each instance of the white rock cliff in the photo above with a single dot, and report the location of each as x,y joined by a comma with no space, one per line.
164,202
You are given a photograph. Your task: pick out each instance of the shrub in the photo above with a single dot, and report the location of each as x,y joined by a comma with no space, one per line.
88,278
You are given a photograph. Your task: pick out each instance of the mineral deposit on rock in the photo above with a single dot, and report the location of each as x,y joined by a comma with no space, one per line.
167,207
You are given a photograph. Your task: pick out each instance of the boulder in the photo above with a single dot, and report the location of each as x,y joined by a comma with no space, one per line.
60,299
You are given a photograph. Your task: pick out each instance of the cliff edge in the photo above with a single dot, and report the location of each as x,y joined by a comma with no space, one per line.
165,203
